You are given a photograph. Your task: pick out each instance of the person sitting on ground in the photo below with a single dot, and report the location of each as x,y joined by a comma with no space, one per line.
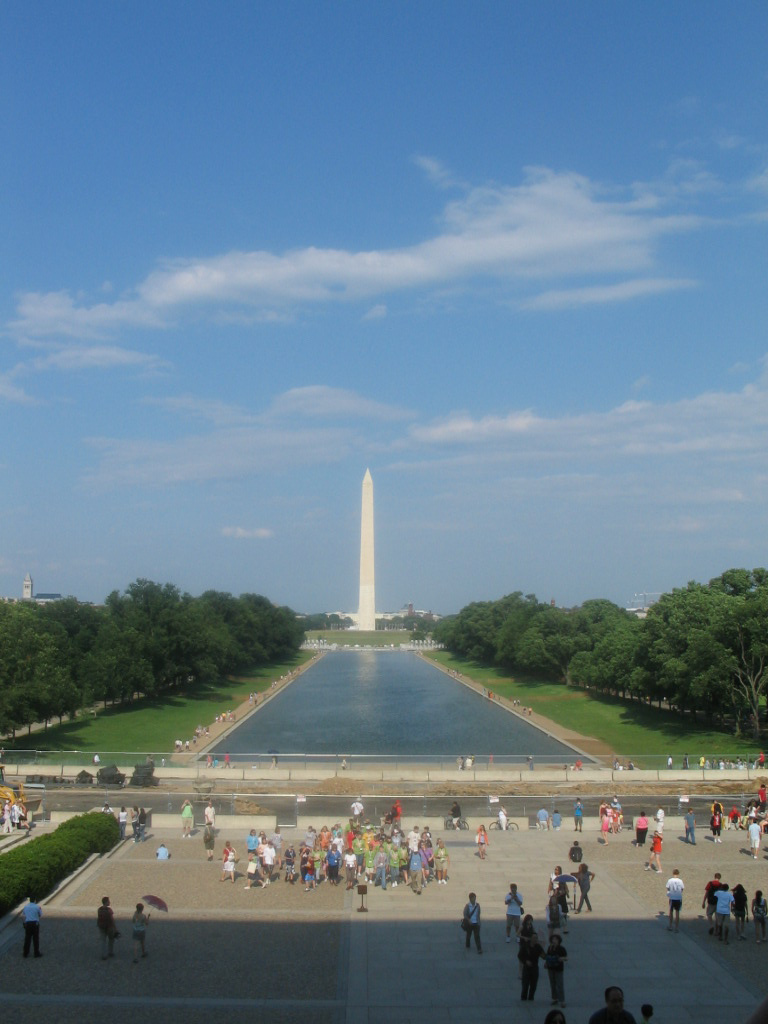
163,853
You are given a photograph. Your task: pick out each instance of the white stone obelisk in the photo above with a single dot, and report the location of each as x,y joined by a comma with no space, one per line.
366,614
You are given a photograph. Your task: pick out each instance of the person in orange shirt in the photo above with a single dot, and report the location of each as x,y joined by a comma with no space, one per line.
655,857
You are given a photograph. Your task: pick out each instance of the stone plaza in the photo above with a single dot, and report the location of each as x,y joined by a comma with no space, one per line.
293,956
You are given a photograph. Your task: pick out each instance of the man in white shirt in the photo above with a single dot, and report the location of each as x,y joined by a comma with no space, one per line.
357,809
754,838
659,819
268,860
675,896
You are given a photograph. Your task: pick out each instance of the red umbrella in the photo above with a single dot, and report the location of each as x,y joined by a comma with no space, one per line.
156,902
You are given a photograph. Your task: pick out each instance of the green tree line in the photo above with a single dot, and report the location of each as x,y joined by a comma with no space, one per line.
700,650
58,658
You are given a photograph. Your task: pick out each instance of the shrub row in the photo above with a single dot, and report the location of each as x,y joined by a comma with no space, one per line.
37,867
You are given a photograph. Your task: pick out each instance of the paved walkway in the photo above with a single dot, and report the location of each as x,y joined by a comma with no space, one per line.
313,958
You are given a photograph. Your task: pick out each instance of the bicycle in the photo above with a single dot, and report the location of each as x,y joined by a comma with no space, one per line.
448,823
512,826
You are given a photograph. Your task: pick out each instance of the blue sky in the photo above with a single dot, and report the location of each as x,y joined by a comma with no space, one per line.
511,257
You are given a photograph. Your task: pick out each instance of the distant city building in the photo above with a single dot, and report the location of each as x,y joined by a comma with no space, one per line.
28,593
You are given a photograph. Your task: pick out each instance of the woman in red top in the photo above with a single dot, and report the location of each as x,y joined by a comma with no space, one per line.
655,857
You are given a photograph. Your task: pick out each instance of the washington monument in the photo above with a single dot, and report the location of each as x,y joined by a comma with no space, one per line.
366,613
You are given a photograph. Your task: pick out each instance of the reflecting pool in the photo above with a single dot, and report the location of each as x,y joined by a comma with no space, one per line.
388,703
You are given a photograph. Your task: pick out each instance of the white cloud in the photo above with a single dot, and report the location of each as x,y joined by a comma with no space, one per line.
622,291
222,414
321,401
437,173
241,533
377,312
95,357
705,452
552,225
713,425
55,313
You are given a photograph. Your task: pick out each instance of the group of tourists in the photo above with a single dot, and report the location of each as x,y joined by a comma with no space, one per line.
537,943
355,853
13,817
720,901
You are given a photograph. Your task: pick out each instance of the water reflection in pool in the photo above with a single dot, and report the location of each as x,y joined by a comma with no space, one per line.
388,702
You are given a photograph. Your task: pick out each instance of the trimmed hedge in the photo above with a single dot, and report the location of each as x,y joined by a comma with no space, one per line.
37,867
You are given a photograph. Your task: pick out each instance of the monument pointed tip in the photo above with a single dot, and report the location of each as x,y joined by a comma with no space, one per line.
367,475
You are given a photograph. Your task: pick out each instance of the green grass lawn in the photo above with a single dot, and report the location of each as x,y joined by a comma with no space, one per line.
152,726
362,638
631,730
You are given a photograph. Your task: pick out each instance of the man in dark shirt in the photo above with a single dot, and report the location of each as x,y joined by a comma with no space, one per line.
455,813
613,1012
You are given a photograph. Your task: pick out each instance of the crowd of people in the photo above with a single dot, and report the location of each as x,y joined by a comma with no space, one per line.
13,817
355,853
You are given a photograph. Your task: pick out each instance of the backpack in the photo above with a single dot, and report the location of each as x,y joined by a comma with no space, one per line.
576,854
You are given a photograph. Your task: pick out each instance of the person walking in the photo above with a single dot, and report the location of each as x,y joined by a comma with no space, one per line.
514,903
30,917
641,829
654,860
740,911
675,889
554,960
710,899
139,923
471,921
228,861
105,922
754,838
529,955
416,871
759,914
584,879
187,819
578,816
210,814
441,863
482,842
716,822
209,840
380,863
724,904
690,827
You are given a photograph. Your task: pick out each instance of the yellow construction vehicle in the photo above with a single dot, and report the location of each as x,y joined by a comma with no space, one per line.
10,792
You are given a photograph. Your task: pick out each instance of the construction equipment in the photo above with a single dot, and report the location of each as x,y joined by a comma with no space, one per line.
10,792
